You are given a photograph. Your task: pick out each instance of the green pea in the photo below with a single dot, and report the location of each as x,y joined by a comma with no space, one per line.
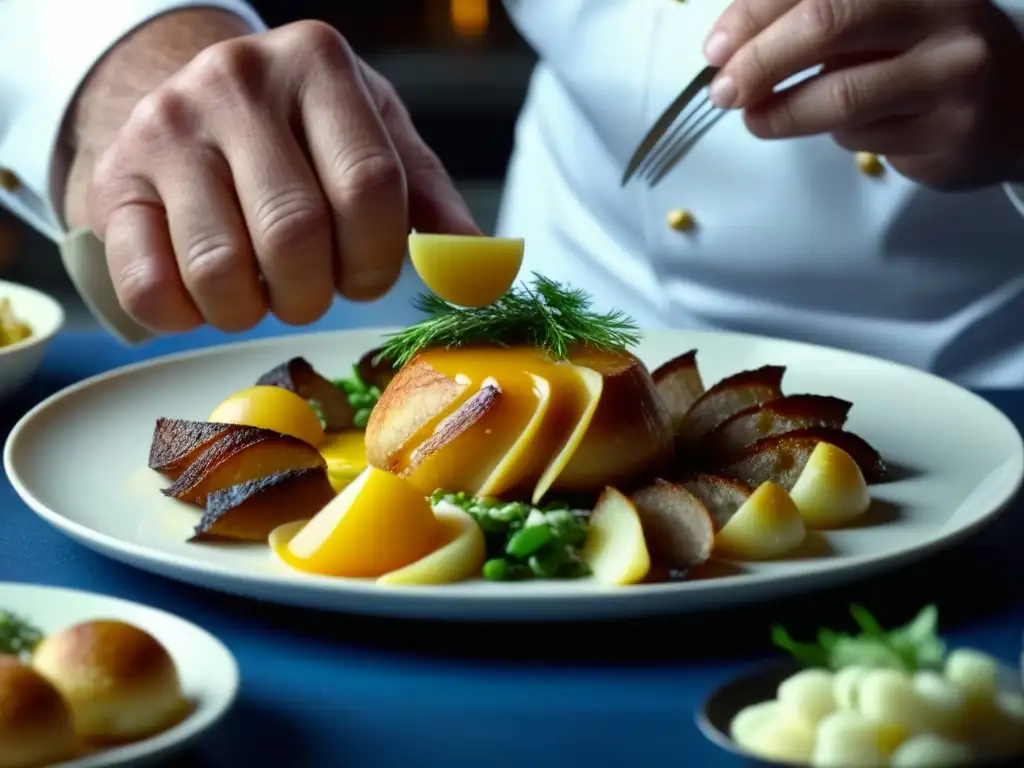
362,400
545,564
496,569
528,541
375,391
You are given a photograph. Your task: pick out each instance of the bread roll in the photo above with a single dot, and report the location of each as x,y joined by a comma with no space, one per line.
121,683
35,722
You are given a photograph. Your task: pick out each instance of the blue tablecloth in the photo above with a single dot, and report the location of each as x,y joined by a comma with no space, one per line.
327,690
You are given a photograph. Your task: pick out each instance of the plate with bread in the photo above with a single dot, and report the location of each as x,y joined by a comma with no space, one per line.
88,680
516,454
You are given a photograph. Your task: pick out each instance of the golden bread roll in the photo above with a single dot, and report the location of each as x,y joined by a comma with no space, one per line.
120,681
35,721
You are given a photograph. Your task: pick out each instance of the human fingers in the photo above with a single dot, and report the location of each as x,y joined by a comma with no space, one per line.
909,135
741,21
211,241
128,215
835,100
358,166
282,205
810,33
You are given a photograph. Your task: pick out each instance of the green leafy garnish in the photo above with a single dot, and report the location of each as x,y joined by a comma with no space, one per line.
523,541
546,315
17,636
361,396
914,646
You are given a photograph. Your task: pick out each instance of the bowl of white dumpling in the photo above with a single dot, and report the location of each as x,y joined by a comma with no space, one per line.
966,710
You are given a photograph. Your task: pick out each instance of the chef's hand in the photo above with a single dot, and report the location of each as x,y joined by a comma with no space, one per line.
265,174
931,84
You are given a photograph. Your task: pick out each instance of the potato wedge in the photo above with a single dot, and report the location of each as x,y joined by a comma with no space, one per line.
781,459
679,384
616,549
249,453
249,511
776,417
677,526
727,398
177,442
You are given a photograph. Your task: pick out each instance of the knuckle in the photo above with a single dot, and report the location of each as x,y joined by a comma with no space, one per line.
846,99
974,58
212,261
321,42
288,217
227,68
140,289
366,174
162,116
827,18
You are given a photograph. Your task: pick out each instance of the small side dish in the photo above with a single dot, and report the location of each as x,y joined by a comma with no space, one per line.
512,434
886,698
88,687
12,329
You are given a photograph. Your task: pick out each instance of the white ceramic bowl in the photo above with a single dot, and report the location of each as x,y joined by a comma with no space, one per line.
45,316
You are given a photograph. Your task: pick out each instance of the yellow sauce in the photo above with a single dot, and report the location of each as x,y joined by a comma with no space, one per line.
524,436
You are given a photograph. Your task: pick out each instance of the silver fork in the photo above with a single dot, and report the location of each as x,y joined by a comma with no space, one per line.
675,132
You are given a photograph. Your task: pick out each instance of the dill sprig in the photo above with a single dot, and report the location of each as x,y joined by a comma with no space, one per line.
545,315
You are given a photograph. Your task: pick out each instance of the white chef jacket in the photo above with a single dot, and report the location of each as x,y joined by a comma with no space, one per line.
791,238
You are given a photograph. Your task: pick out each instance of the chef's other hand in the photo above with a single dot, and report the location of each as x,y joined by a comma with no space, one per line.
932,84
267,172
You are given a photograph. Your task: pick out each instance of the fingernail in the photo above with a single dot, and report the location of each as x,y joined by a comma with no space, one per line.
717,49
723,92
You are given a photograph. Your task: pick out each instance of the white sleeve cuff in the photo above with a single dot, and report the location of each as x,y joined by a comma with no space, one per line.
46,51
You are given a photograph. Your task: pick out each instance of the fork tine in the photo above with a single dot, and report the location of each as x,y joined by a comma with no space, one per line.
664,123
674,155
654,157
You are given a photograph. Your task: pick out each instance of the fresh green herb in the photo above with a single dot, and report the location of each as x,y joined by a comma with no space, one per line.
525,542
914,646
546,315
17,636
361,396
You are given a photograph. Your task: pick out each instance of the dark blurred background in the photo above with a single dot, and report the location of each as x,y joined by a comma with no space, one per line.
460,66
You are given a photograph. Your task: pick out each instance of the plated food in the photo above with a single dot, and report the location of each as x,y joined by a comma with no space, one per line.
881,698
517,438
12,328
91,686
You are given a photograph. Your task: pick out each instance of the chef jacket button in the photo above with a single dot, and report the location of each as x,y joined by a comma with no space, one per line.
9,180
870,164
681,220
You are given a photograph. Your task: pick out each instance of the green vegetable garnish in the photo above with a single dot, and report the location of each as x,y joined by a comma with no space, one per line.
914,646
525,542
546,315
17,636
361,396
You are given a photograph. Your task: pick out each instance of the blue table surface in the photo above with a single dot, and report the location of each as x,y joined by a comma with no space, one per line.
329,690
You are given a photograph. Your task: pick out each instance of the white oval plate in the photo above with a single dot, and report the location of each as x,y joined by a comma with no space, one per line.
79,461
208,671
